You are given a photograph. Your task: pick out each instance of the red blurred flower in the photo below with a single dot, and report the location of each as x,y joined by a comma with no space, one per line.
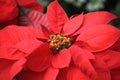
68,46
9,10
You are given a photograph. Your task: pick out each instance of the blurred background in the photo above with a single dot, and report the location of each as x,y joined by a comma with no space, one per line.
77,6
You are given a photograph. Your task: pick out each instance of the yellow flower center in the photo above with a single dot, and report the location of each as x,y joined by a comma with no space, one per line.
59,41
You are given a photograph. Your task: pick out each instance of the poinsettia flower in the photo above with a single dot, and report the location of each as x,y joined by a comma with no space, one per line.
71,40
66,46
9,9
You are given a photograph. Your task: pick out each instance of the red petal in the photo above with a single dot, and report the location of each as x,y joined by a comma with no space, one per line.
42,36
115,74
45,31
40,59
83,47
75,74
10,22
62,59
17,67
8,12
99,17
13,34
29,75
10,68
28,46
62,74
56,17
32,18
10,52
95,18
102,70
100,37
32,4
73,24
51,74
81,59
116,46
112,58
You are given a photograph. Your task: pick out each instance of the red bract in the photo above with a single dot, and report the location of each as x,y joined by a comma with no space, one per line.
33,18
68,46
9,10
12,58
116,46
